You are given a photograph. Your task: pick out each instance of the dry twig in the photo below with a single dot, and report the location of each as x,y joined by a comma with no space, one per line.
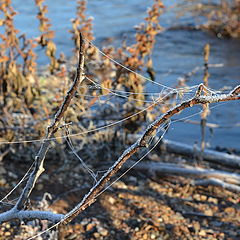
16,211
143,141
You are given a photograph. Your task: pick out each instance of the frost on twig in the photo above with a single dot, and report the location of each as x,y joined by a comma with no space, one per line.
16,211
28,215
90,197
142,142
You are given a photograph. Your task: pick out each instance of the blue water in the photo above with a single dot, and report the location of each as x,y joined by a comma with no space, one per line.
176,52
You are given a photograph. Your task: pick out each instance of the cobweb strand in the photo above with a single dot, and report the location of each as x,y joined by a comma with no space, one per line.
106,188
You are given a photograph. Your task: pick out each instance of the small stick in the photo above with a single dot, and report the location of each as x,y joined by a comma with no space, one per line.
38,167
205,106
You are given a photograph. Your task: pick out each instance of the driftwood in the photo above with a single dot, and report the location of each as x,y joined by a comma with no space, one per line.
230,160
226,159
185,170
217,182
223,179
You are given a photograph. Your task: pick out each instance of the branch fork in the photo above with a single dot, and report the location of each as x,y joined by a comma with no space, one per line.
18,212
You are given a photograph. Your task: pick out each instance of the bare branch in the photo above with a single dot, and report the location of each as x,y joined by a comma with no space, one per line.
29,215
143,142
222,158
185,171
39,159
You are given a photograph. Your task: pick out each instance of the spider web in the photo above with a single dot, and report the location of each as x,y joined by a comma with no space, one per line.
110,107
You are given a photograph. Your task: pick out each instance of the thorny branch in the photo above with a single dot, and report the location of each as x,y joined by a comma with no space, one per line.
143,142
39,159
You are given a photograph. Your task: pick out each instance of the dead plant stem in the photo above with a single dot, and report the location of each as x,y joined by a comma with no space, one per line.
39,164
143,141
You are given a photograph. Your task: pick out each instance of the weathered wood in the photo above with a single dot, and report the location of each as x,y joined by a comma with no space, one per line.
229,160
208,155
185,171
219,183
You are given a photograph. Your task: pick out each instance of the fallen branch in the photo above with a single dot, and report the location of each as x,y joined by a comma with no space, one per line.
185,171
217,182
29,215
225,159
229,160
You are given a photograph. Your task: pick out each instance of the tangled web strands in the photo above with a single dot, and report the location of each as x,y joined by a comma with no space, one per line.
152,103
93,130
144,141
161,132
67,136
235,92
155,100
181,95
91,172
